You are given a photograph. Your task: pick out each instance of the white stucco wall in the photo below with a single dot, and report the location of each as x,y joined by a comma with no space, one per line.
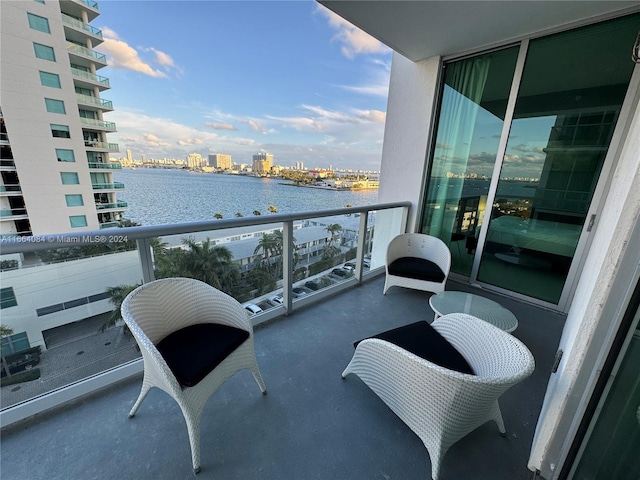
41,286
412,92
596,308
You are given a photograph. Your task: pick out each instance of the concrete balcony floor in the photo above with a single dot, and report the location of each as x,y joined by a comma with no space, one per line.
310,425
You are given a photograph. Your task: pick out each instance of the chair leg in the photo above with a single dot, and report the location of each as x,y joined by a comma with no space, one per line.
143,393
192,418
258,376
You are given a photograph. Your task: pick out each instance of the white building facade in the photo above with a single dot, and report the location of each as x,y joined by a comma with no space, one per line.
56,174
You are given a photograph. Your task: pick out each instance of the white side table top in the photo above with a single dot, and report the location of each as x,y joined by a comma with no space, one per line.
483,308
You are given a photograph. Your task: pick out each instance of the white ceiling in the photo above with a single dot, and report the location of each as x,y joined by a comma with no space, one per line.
420,29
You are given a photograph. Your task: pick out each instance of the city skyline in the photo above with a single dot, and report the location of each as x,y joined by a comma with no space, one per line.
288,78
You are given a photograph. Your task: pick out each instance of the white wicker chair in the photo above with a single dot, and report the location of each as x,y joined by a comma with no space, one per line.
418,261
157,309
440,405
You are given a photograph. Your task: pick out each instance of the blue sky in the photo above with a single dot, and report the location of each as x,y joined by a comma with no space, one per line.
241,77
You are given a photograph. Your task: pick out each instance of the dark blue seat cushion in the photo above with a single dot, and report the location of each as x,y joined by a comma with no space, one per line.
423,340
194,351
417,268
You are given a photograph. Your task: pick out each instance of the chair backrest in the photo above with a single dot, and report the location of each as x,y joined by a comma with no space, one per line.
495,355
169,304
420,245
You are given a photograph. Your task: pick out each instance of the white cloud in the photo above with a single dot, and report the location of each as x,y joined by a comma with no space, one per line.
354,41
122,55
221,126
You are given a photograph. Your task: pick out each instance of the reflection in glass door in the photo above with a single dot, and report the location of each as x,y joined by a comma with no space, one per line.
474,102
571,92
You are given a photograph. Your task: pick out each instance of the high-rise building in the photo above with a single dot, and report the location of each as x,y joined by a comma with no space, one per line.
195,160
56,174
262,163
220,161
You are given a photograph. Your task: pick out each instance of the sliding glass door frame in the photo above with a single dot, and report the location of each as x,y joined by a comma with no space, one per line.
595,206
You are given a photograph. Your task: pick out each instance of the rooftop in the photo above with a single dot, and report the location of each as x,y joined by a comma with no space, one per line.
310,425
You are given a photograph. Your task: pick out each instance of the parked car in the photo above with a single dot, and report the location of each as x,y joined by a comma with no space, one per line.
277,299
312,285
366,262
300,291
252,308
266,305
349,265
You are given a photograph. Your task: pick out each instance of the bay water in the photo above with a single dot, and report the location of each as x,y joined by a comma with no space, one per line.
162,196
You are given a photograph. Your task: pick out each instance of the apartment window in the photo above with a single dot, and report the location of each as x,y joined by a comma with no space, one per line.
37,22
69,178
54,106
7,298
78,221
50,79
60,131
74,200
15,343
45,52
65,155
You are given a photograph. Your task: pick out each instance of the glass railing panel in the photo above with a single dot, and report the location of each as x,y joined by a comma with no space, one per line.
76,72
94,100
108,166
81,25
87,52
98,123
63,304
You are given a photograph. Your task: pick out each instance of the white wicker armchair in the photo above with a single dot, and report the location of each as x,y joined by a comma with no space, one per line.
205,337
418,261
441,405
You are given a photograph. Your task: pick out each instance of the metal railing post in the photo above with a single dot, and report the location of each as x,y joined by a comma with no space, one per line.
146,259
287,264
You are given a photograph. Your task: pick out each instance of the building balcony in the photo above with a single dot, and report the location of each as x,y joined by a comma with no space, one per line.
7,164
104,166
85,56
108,186
311,423
78,31
93,102
111,206
97,146
9,190
4,139
89,80
109,225
13,214
77,7
98,124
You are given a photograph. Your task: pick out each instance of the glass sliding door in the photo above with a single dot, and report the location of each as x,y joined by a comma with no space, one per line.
474,102
512,200
571,92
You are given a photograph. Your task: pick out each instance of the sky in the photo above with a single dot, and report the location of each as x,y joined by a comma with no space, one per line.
240,77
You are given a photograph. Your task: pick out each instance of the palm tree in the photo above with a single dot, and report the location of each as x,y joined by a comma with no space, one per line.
257,212
116,297
333,229
217,215
5,331
211,264
239,215
273,209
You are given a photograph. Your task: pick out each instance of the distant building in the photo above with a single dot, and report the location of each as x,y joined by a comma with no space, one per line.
195,160
56,175
220,161
262,163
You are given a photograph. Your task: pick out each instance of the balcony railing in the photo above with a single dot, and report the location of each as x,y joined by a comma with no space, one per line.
7,164
66,19
89,3
109,206
101,102
10,189
112,147
13,212
103,166
86,52
108,186
111,260
109,225
92,122
90,76
4,138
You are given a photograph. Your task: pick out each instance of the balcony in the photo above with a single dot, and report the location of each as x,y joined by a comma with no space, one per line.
111,206
87,79
312,424
95,145
98,124
77,7
77,31
7,164
13,214
82,54
108,186
9,190
109,225
105,166
89,101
